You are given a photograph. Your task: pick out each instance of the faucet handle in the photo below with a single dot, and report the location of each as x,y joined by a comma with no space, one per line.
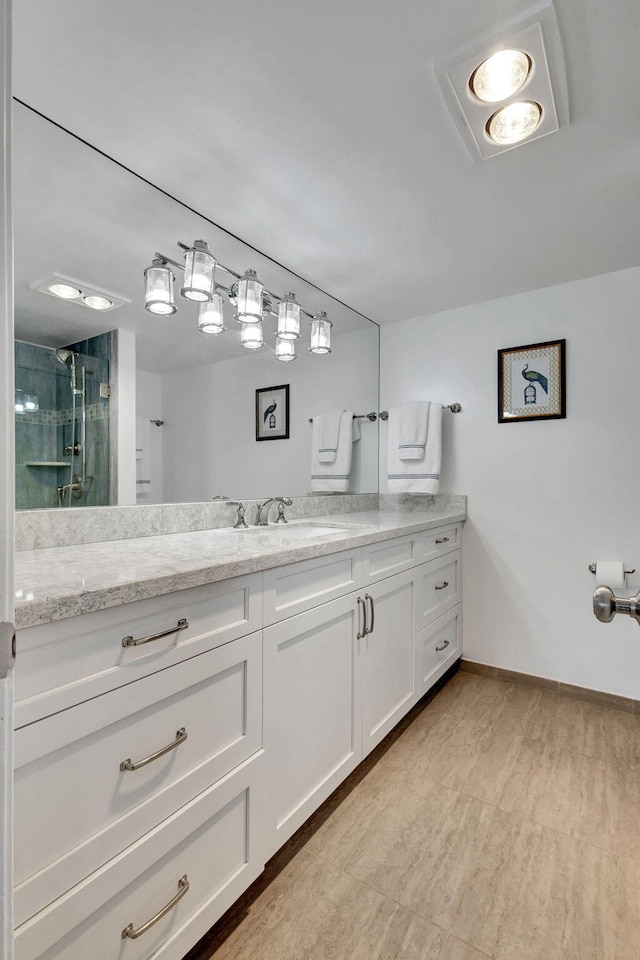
282,503
240,523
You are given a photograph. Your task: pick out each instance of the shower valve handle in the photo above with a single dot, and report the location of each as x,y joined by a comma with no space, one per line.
606,605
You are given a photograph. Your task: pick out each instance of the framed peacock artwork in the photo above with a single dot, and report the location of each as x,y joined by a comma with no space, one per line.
532,382
272,413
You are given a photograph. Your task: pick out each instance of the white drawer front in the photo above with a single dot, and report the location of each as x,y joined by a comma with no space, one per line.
212,840
439,588
67,662
300,586
435,543
391,556
73,759
439,645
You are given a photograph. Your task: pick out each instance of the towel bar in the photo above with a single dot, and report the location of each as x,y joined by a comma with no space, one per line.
359,416
454,407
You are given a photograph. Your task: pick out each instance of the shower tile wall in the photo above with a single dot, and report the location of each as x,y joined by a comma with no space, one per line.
42,436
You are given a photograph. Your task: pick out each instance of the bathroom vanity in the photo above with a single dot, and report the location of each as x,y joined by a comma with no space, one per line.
167,746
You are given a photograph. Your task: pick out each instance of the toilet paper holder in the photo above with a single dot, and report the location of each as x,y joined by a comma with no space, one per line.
627,573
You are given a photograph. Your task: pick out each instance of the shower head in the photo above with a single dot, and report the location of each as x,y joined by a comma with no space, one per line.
65,356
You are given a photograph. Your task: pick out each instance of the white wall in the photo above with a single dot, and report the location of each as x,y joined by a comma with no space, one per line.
209,436
149,407
544,499
125,395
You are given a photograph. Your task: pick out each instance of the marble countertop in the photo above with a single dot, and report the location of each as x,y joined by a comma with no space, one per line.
59,582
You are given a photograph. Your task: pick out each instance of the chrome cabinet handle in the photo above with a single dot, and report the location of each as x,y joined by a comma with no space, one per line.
368,597
181,736
363,632
443,540
441,586
444,646
132,934
130,642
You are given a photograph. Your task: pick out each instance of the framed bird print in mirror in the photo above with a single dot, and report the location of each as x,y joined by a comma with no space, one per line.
272,413
531,382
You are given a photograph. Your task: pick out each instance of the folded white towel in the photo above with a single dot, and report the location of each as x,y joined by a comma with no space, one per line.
412,430
328,429
415,476
333,477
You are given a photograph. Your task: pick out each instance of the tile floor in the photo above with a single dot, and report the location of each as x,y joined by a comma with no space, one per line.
498,821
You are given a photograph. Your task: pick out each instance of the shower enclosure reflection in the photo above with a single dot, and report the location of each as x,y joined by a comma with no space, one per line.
62,425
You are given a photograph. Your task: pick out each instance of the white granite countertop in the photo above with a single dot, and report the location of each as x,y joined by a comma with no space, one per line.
59,582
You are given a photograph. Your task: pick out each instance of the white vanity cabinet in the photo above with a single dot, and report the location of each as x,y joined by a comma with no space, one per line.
333,691
167,747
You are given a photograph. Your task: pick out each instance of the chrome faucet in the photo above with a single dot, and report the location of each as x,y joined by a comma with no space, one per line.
262,515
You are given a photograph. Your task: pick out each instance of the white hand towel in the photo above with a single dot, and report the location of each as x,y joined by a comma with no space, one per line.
415,476
333,477
412,431
327,432
143,457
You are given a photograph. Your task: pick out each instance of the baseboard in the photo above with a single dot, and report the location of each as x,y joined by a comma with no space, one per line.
556,686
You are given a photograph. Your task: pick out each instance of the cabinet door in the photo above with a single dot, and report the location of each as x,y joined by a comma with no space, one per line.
388,657
312,711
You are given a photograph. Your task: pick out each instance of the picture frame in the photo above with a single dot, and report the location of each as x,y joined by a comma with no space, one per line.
272,413
532,382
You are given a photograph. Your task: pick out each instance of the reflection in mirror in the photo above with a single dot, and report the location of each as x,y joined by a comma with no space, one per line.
139,407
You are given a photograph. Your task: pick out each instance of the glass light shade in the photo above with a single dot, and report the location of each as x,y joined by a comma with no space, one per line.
31,403
320,334
500,76
210,317
249,298
285,350
20,401
251,335
199,273
515,122
158,287
65,290
98,303
288,318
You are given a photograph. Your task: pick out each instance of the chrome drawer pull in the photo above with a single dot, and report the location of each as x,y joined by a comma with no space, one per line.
444,646
132,934
441,586
363,632
443,540
181,736
368,597
130,642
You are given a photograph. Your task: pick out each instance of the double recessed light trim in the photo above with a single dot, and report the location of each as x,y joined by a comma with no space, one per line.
496,80
74,291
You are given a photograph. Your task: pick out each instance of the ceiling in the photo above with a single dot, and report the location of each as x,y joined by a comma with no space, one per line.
318,133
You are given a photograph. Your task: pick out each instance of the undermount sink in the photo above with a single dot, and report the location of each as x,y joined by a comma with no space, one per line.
295,529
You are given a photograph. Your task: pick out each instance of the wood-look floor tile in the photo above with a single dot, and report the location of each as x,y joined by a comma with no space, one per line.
457,950
538,895
597,731
313,911
410,838
578,795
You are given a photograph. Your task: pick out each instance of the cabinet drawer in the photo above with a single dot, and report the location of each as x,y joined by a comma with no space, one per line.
383,559
435,543
94,808
212,841
439,645
439,588
69,661
297,587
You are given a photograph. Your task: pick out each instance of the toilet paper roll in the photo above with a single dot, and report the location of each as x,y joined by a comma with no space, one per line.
610,573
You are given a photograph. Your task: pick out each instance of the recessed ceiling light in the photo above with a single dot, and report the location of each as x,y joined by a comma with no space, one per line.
500,76
65,290
98,303
515,122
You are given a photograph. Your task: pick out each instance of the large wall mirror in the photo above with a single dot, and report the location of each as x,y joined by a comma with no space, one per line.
123,406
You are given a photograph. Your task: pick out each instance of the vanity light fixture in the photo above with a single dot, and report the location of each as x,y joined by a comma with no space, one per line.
288,318
158,285
199,273
246,292
508,88
210,316
320,334
285,350
500,76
